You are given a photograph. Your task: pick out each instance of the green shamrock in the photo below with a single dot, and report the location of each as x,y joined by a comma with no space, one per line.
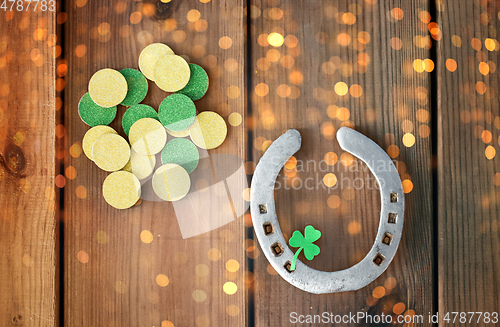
298,241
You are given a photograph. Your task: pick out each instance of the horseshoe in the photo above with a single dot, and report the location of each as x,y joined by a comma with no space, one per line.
274,245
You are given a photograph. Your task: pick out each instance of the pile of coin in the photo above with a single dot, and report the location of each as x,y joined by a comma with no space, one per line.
147,129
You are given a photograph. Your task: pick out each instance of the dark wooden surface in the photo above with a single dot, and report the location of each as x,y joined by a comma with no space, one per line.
469,123
117,286
448,258
387,102
29,241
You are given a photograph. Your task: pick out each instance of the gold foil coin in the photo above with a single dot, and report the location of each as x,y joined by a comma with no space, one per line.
172,73
108,88
209,130
147,136
150,55
91,136
111,152
121,189
171,182
140,165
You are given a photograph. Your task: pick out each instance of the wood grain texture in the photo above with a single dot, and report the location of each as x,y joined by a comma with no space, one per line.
117,286
392,92
469,209
28,219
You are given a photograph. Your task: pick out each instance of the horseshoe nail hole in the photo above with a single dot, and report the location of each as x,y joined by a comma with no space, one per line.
268,228
288,266
392,218
378,259
277,249
394,197
263,208
387,239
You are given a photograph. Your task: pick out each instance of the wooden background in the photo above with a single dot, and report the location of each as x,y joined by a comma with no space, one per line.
418,77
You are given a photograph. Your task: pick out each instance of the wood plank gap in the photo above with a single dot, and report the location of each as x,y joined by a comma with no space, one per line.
249,153
434,107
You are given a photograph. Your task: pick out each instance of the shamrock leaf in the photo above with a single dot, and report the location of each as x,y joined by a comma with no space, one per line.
305,243
312,235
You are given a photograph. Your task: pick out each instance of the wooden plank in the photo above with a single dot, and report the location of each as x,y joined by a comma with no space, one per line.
29,221
294,85
110,274
469,125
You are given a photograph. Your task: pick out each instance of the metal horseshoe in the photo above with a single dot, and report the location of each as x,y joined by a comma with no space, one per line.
268,231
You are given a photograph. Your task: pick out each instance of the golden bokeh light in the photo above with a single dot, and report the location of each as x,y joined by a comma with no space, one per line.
296,77
396,43
261,89
344,39
378,292
328,130
232,265
291,163
341,88
83,257
348,18
291,41
275,13
193,15
81,191
489,44
407,186
232,310
424,131
330,180
408,140
393,151
235,119
331,158
275,39
390,283
399,308
486,136
480,87
496,179
214,254
146,236
356,90
346,159
283,90
425,17
333,201
397,13
225,42
199,295
135,17
233,92
273,55
490,152
476,44
162,280
456,40
451,65
354,228
230,288
81,50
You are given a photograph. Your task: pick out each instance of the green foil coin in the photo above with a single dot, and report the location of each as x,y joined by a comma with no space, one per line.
181,152
136,112
93,114
177,112
137,86
198,83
